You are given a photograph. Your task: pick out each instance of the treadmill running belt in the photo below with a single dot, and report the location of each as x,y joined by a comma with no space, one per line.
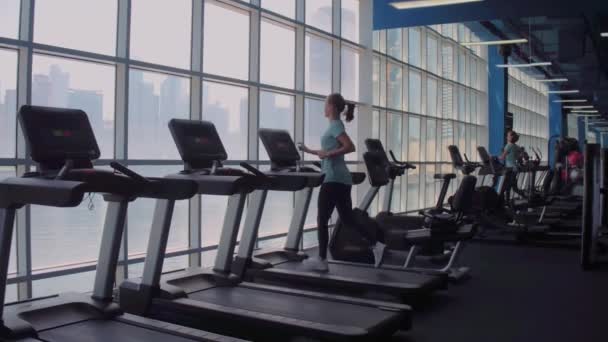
297,307
108,331
370,275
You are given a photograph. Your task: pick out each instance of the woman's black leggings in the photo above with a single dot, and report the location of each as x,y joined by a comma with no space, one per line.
337,195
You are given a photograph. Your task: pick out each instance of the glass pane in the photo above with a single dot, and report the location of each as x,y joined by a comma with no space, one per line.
431,97
11,294
318,65
213,209
431,141
447,63
284,7
319,14
350,74
169,265
350,20
375,124
430,186
67,83
414,139
462,105
431,55
154,99
277,213
277,54
227,107
447,101
447,139
394,134
315,124
8,102
167,43
141,214
413,189
310,239
276,111
9,18
62,237
376,81
394,43
414,47
95,21
395,86
311,215
414,92
226,24
79,282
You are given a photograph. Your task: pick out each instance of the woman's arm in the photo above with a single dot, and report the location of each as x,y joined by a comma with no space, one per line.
346,147
503,156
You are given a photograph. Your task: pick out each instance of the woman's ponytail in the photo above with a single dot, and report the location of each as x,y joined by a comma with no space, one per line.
349,114
348,109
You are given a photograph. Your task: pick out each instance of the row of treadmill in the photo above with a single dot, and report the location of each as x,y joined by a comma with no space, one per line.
248,294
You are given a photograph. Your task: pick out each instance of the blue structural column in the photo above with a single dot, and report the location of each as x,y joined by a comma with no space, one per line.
556,126
498,79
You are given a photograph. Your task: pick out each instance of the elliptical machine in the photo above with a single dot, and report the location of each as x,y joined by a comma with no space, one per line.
436,235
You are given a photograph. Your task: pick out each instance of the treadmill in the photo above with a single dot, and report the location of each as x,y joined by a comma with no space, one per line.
284,266
216,300
61,141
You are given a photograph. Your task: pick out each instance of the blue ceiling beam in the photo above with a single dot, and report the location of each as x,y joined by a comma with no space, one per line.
386,16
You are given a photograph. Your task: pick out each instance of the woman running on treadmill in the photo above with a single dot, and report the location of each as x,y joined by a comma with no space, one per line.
336,188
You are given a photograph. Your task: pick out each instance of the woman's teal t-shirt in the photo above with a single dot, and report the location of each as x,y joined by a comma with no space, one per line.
512,151
334,168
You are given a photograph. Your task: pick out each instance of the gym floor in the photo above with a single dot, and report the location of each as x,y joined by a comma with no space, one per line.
517,293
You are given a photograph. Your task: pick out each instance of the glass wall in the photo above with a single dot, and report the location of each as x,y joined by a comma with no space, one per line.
133,65
435,91
529,104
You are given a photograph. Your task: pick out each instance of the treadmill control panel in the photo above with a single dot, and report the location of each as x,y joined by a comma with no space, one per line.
198,142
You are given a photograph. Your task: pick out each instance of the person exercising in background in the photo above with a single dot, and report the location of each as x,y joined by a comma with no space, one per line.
511,151
335,191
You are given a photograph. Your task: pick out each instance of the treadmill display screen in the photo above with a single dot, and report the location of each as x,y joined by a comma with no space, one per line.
279,145
57,134
197,141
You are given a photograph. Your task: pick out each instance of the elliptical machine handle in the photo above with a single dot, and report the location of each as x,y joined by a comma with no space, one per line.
404,165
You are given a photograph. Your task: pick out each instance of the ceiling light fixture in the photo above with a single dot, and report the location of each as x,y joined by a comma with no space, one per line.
524,65
553,80
570,101
594,111
496,42
604,34
562,92
401,5
578,107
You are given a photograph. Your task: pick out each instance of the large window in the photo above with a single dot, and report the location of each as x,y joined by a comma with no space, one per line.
277,59
154,100
154,42
220,58
91,25
319,14
67,83
132,66
8,102
437,89
318,65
